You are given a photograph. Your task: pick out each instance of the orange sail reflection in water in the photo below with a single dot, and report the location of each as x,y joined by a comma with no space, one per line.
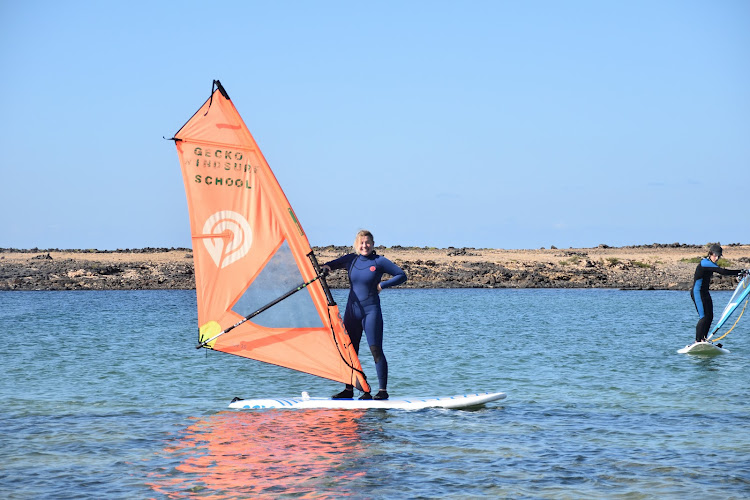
270,453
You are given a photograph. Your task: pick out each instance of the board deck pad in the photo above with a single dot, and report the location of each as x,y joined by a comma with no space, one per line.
418,403
703,348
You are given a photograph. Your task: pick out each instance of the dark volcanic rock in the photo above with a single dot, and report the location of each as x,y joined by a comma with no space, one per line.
161,268
74,274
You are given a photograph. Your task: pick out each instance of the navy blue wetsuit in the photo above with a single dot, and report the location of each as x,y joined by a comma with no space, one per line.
702,299
363,307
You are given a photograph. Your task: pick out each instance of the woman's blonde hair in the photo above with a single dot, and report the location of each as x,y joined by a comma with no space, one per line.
363,233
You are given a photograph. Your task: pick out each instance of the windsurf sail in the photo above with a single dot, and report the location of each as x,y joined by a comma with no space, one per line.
259,288
740,294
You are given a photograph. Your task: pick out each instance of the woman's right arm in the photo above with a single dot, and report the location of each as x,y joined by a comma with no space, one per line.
339,263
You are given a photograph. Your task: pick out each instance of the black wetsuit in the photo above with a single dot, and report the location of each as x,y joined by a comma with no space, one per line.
702,299
363,311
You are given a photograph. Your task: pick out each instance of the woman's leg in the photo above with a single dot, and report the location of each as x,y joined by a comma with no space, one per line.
373,325
704,323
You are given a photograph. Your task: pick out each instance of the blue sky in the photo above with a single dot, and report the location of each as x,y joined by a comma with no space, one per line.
488,124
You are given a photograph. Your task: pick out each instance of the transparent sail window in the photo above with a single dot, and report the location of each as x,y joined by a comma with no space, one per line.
280,275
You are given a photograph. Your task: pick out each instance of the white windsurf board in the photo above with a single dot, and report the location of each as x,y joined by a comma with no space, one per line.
703,348
307,402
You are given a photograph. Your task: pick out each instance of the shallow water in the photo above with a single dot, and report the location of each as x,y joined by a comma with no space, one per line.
106,397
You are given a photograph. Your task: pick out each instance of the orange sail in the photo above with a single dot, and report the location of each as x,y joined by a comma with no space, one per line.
250,251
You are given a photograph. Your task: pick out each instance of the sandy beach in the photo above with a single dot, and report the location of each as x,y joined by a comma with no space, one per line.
646,267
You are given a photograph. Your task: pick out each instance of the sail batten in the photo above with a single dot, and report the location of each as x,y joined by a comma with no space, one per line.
249,247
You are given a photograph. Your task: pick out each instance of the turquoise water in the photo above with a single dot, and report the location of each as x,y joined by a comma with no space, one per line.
104,396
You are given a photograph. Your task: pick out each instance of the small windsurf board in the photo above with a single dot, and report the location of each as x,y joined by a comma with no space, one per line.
307,402
703,348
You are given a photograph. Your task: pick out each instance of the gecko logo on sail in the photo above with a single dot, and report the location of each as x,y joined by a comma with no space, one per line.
227,236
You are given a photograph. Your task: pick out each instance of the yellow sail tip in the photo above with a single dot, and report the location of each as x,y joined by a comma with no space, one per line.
209,331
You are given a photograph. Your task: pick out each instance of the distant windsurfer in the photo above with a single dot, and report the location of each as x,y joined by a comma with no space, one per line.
701,281
363,313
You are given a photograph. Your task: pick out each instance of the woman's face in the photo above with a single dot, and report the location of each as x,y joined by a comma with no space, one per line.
365,245
713,258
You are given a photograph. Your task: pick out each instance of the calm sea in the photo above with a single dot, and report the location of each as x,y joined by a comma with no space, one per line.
104,396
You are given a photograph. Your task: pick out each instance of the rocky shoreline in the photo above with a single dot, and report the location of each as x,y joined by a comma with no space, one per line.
645,267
